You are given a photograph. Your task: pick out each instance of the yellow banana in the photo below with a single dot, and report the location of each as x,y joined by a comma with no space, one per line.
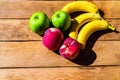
79,21
91,27
85,6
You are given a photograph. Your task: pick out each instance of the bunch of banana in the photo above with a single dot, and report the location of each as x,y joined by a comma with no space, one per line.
86,23
81,20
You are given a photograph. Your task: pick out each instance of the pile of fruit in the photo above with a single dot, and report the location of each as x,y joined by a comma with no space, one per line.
78,29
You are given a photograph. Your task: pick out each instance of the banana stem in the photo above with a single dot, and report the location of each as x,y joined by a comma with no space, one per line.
111,27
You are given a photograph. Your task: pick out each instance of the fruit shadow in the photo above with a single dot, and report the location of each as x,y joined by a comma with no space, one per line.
87,56
77,13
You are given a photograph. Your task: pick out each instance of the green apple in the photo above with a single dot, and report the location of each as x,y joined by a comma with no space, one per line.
39,22
61,20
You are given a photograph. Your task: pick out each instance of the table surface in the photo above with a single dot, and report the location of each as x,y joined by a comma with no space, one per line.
23,57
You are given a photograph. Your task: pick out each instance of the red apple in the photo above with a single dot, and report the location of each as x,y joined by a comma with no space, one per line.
52,38
70,49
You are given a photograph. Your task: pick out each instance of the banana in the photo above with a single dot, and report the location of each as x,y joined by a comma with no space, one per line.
91,27
79,21
85,6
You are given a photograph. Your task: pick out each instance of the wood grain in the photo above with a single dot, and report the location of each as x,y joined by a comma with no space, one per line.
24,9
15,29
23,57
31,54
62,73
18,29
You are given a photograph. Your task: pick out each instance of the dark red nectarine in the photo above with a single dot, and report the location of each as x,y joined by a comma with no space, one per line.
52,38
70,49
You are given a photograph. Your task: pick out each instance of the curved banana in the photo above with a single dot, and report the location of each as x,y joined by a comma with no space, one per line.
91,27
81,20
85,6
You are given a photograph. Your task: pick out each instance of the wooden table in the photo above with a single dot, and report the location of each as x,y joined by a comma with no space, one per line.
23,57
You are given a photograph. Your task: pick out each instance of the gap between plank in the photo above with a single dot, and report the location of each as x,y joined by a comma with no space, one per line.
40,40
94,66
20,40
29,18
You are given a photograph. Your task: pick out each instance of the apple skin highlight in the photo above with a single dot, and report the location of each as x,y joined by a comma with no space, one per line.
52,38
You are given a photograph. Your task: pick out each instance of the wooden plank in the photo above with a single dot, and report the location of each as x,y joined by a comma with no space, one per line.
107,52
63,73
29,54
32,54
100,53
26,8
15,29
18,29
110,8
